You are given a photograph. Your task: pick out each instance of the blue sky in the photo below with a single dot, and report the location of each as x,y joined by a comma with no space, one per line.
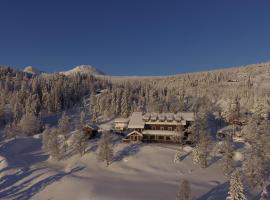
134,37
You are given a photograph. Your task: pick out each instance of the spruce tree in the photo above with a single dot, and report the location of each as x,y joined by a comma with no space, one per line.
80,142
105,153
236,190
228,158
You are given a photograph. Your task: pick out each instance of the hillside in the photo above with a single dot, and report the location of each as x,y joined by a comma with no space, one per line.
42,118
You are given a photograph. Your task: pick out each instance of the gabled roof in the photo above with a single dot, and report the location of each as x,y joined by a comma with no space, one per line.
136,120
134,132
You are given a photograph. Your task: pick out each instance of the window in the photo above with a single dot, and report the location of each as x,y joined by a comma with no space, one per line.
152,137
162,128
169,128
168,138
161,137
153,128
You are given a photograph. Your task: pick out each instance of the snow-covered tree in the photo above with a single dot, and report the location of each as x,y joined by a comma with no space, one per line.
64,124
253,167
228,163
105,153
264,194
80,142
30,124
64,128
55,144
45,138
184,192
124,104
11,131
236,190
201,151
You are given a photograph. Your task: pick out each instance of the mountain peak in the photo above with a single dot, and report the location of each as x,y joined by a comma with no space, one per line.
83,69
31,70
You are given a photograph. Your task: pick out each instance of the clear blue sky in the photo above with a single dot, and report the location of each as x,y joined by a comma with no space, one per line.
125,37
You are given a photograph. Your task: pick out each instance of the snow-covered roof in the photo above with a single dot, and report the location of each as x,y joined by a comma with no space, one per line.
132,132
136,120
187,116
161,132
168,118
121,120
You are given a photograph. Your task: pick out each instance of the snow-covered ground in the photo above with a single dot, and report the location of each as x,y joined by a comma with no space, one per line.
139,171
142,171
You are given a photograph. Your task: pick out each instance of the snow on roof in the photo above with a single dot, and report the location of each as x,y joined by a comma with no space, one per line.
136,120
180,117
160,132
188,116
132,132
121,120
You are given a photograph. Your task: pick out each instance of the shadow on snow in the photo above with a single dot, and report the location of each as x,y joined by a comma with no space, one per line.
23,191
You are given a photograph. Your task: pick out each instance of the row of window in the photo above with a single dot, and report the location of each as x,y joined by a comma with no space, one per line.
162,128
158,137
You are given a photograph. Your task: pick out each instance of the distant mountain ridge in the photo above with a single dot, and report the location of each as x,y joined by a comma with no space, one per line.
32,70
83,69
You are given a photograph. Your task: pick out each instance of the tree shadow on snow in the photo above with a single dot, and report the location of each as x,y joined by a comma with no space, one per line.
219,192
213,160
23,152
129,150
22,191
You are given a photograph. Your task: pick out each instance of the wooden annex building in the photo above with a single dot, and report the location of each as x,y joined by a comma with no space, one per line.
159,127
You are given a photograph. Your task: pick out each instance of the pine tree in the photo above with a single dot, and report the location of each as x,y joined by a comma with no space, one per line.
124,104
253,167
30,124
236,190
184,192
64,128
80,142
55,144
12,131
201,151
105,153
45,138
64,124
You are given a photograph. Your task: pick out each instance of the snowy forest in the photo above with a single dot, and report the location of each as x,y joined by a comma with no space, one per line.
236,97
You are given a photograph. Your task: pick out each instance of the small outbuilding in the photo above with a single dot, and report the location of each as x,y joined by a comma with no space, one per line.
133,136
121,124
